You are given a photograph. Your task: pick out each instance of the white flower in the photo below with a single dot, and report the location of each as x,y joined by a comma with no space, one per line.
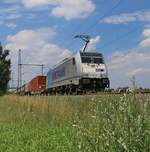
93,117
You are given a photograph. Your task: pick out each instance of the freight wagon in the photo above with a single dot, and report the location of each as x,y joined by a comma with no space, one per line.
82,72
37,85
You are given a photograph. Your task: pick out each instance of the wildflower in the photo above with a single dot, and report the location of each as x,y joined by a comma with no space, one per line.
92,99
93,117
99,101
9,108
120,141
74,125
79,146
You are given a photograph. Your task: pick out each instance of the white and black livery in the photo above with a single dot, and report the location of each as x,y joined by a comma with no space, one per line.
84,71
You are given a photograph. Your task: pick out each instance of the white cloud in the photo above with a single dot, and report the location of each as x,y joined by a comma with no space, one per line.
8,25
11,25
9,10
122,66
131,58
36,48
146,41
146,32
138,71
135,62
10,13
13,16
69,9
143,16
74,9
9,1
93,43
38,3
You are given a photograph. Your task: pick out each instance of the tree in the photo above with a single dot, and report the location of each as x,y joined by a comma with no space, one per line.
5,65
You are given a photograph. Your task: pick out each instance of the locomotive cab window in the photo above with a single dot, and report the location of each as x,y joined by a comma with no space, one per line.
86,60
92,60
98,60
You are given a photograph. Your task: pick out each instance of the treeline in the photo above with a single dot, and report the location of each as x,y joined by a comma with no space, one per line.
5,65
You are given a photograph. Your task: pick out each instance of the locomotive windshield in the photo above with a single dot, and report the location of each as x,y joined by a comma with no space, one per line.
88,57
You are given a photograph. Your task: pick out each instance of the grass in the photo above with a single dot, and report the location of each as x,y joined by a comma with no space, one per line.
103,123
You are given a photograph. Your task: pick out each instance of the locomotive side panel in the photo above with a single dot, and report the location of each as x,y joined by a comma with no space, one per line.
65,74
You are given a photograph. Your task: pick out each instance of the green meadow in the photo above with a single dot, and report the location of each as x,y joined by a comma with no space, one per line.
102,123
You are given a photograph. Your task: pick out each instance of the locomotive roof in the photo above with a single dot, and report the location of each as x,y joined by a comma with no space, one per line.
58,64
82,54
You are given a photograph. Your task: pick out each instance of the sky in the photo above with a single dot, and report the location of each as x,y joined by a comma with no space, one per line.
44,30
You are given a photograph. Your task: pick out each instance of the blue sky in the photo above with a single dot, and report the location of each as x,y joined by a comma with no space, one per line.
44,30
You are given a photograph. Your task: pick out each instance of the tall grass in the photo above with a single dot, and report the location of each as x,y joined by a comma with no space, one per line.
75,123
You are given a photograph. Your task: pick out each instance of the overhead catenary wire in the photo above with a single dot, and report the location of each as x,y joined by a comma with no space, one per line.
107,13
121,36
97,21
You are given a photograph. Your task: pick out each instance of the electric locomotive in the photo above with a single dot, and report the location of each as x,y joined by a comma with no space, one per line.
84,71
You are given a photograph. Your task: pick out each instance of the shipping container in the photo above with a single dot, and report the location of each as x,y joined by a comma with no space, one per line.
38,85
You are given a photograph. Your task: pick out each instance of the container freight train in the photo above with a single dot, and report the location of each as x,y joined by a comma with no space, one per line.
35,87
84,71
